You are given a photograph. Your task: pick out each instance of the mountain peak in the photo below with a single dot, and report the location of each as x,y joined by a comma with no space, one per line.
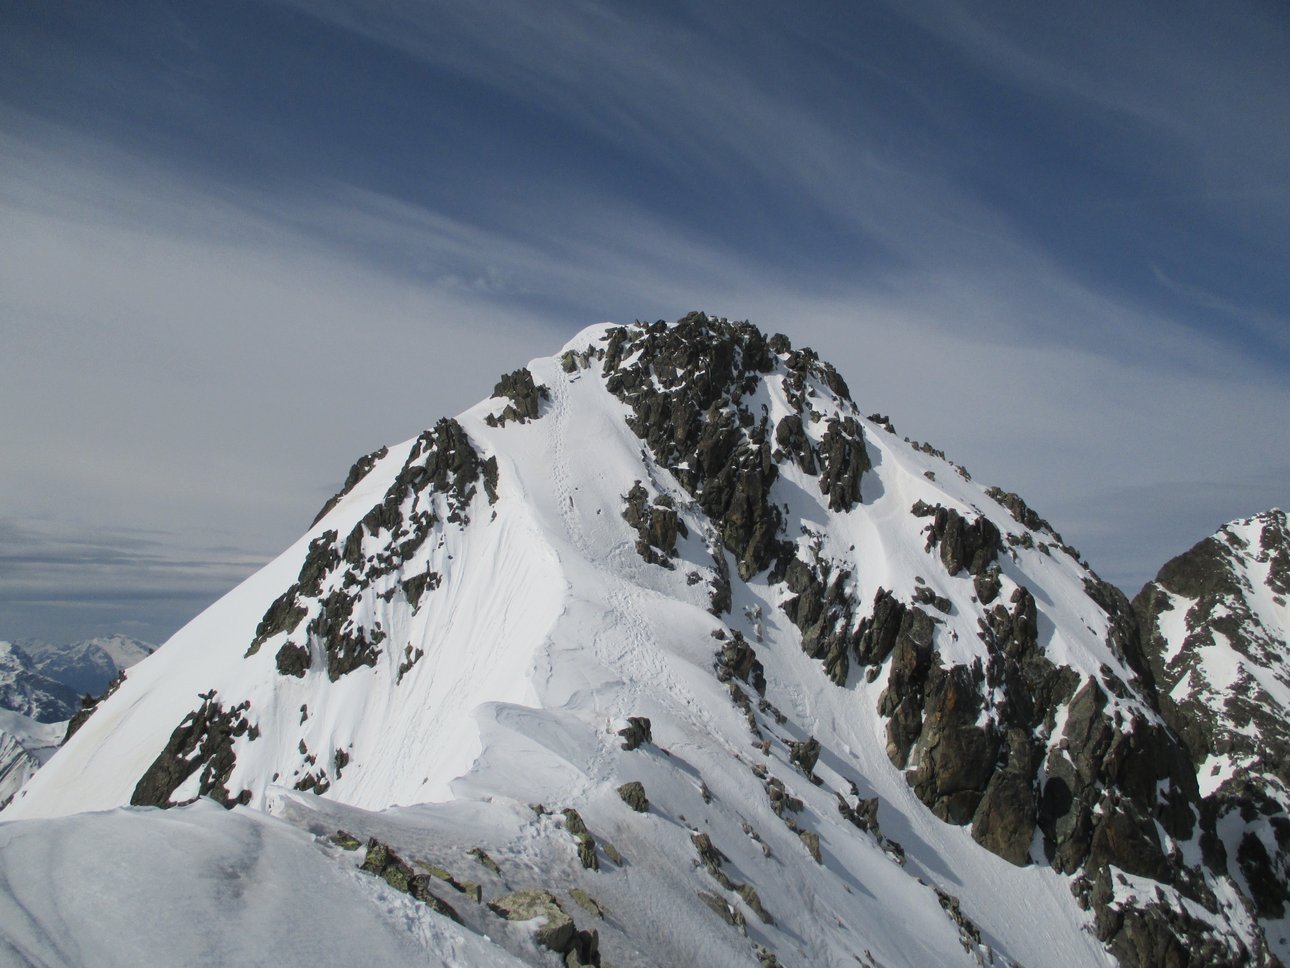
672,583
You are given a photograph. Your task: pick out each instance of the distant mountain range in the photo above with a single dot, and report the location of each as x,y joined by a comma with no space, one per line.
41,688
26,690
87,666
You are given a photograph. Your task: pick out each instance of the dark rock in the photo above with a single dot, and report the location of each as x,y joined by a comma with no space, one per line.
738,660
1266,882
912,662
1018,509
557,933
988,584
203,742
925,596
753,900
1004,822
723,910
843,460
864,815
880,630
587,852
1157,933
719,596
347,648
1124,637
657,525
1124,837
636,733
791,437
573,821
805,754
416,586
88,706
781,801
1239,722
482,856
963,544
633,795
711,858
293,660
574,824
315,782
411,657
685,386
822,610
969,933
525,398
955,756
346,841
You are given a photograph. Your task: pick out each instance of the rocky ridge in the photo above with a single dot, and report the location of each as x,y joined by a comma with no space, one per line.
1217,625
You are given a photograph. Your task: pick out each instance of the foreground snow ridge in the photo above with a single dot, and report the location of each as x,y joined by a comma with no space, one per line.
664,654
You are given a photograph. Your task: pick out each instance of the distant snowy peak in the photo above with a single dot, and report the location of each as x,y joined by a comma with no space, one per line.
90,665
1217,619
24,746
24,689
673,572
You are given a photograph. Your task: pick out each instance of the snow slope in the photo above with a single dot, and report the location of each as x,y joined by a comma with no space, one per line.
201,885
464,633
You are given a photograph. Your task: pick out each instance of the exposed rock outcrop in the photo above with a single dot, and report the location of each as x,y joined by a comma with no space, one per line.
202,744
525,398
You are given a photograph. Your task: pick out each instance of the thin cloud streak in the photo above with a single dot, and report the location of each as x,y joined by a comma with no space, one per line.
197,343
956,400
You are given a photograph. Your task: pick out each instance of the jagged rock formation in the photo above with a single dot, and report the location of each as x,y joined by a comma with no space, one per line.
1217,625
200,748
758,582
524,395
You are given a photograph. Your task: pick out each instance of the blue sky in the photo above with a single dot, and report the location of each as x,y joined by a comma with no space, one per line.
246,242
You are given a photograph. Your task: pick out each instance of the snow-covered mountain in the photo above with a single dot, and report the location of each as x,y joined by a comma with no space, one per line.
24,746
670,654
24,689
87,666
1218,622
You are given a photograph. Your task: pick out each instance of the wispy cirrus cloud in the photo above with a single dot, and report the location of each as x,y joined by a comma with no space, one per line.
242,249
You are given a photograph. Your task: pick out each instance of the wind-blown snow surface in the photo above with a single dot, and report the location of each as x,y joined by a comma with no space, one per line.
199,885
548,631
